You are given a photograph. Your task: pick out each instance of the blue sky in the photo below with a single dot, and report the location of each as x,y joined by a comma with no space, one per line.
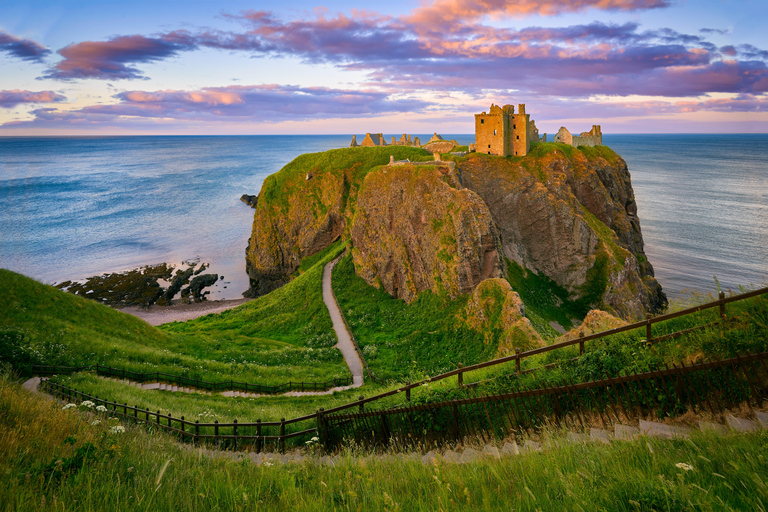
233,67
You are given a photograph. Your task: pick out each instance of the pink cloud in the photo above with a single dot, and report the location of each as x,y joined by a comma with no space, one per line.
441,13
9,99
247,103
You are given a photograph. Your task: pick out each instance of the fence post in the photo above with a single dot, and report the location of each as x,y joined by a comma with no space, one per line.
721,296
648,337
169,420
282,435
361,403
581,343
234,433
258,435
517,360
158,417
461,376
408,391
216,432
197,430
321,428
182,425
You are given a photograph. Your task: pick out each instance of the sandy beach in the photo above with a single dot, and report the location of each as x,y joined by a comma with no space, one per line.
157,315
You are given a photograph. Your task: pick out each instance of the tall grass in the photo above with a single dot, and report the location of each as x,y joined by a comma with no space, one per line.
141,470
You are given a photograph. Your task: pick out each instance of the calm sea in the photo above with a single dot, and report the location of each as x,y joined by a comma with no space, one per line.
75,207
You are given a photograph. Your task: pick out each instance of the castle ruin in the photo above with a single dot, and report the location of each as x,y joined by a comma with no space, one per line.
377,139
593,137
503,132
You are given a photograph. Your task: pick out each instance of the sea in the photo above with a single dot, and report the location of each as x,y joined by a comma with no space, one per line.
74,207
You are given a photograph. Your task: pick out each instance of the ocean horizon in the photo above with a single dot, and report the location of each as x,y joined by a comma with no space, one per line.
73,207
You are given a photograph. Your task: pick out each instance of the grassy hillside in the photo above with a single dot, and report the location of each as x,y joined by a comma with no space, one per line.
407,341
284,336
59,460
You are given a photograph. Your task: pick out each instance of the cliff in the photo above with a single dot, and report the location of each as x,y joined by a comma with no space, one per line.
562,212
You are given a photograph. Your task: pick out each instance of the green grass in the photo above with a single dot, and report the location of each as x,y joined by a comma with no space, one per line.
355,163
284,336
401,340
56,460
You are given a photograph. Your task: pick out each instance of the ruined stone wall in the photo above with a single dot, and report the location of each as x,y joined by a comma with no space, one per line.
520,143
489,133
593,137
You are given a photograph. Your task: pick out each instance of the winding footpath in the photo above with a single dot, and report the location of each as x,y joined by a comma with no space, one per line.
344,344
342,334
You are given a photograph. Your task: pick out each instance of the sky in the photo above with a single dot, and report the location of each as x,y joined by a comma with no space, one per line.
251,67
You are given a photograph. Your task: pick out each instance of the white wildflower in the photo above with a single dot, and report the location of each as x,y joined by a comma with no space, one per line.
88,404
96,422
117,429
267,463
101,408
68,406
684,466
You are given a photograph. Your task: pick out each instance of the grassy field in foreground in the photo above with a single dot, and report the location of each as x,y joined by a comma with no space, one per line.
284,336
52,459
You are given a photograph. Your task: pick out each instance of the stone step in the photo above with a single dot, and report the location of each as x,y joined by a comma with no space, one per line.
654,429
741,424
762,418
531,446
600,435
576,438
510,448
491,451
625,433
709,426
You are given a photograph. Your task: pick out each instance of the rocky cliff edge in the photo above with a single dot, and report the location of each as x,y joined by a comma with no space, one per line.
567,213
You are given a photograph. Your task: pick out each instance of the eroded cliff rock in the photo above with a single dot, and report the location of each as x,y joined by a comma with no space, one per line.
563,212
414,230
495,309
571,215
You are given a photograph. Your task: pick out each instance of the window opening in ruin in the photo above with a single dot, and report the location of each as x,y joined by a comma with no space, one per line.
518,137
482,121
489,146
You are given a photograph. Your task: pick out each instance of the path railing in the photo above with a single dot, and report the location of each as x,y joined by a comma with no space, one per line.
320,416
195,383
711,387
258,436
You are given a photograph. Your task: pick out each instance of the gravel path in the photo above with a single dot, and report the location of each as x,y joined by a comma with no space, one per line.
157,315
345,341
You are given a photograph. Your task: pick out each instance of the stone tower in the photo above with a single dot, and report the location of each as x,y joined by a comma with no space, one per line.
502,132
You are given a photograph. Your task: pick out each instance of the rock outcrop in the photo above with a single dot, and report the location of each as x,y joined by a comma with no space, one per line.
571,215
567,213
495,308
414,229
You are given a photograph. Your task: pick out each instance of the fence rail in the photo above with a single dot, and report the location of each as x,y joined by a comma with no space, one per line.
178,380
712,386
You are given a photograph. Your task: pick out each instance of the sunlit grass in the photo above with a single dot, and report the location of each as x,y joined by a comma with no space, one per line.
140,470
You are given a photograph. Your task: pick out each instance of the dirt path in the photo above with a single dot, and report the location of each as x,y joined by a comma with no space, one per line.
157,315
345,341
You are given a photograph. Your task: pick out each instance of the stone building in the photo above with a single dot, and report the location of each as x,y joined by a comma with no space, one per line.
593,137
502,132
377,139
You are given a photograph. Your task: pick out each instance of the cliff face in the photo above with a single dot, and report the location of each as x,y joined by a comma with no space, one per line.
567,213
572,217
414,229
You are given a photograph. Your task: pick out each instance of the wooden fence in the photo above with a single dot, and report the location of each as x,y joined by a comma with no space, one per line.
712,386
319,419
196,383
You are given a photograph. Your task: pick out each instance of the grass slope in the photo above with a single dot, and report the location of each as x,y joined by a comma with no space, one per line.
58,460
284,336
401,340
